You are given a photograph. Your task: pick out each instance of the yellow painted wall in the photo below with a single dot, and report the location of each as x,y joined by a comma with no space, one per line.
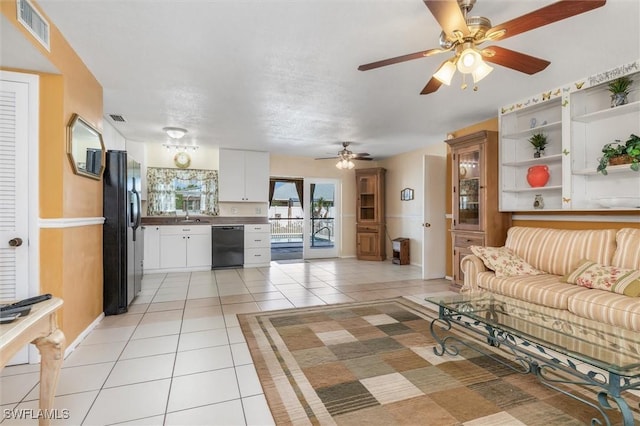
70,258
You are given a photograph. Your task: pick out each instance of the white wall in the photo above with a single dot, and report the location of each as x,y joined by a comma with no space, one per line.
205,158
111,137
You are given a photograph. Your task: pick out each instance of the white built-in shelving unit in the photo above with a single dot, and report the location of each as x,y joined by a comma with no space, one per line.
578,120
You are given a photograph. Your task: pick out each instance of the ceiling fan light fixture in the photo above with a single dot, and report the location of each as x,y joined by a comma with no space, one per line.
469,60
445,73
175,132
481,71
345,164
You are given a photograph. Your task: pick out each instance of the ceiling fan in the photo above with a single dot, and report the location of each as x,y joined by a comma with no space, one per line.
345,157
462,34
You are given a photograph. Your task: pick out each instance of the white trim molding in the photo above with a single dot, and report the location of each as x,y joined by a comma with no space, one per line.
70,222
72,346
586,218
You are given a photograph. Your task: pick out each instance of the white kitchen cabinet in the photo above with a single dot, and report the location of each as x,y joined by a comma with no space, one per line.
243,176
185,247
257,245
151,247
578,120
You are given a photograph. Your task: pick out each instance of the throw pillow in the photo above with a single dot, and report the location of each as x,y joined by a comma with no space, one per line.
503,261
593,275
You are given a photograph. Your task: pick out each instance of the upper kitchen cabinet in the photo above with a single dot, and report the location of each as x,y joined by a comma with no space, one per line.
244,176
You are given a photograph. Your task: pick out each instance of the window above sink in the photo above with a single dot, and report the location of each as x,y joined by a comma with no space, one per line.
174,192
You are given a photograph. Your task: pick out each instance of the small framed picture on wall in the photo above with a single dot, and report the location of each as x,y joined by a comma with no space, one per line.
406,194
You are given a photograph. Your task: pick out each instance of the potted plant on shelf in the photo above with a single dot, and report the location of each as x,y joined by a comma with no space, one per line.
619,89
539,141
616,153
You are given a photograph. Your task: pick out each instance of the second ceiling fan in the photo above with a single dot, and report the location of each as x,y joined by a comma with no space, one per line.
462,34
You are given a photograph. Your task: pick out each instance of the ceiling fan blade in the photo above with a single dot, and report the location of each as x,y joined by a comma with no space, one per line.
448,15
433,85
362,158
514,60
399,59
546,15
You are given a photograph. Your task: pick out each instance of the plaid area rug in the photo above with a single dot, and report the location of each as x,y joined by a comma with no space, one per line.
373,363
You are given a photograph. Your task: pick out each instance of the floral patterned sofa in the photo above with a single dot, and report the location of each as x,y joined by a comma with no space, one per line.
593,274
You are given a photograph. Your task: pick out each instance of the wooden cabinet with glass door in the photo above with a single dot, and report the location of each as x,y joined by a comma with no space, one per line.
370,218
476,219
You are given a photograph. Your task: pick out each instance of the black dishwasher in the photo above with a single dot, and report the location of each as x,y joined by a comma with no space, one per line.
227,246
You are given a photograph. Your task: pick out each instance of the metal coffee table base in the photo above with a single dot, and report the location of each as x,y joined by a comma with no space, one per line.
536,359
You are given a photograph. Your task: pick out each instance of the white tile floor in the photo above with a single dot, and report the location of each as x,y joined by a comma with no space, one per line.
178,357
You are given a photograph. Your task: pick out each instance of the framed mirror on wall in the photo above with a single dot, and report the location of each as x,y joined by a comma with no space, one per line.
85,148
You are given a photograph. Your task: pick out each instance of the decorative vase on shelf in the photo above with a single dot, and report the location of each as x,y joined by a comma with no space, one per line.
538,202
538,153
618,99
538,176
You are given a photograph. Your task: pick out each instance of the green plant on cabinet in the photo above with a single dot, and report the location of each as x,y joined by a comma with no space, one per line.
539,142
616,153
619,89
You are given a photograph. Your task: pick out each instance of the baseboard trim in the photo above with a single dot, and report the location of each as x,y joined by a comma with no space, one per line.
72,346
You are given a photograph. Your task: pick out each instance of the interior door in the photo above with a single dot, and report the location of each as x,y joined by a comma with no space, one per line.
321,210
433,220
16,119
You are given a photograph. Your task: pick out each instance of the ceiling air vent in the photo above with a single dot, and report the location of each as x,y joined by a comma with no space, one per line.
34,22
118,118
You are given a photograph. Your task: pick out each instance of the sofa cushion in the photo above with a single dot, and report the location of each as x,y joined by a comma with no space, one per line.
627,254
607,307
556,251
503,261
545,289
610,278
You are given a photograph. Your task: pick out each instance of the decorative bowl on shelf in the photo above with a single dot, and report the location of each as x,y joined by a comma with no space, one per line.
619,202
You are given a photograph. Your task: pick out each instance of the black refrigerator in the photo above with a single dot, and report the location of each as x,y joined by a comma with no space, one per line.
123,237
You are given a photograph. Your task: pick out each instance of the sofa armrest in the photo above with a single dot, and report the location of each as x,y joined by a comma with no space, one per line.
471,266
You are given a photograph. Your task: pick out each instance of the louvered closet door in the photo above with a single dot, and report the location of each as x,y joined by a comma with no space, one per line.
14,173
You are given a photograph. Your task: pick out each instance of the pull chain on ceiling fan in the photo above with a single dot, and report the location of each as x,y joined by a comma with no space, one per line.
463,34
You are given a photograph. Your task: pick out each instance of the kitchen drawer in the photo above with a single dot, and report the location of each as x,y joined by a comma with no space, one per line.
256,228
257,240
185,230
466,240
257,255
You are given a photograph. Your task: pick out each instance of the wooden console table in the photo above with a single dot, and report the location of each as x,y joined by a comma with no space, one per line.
40,327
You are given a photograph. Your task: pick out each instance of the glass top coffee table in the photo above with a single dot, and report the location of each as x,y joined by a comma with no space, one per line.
546,342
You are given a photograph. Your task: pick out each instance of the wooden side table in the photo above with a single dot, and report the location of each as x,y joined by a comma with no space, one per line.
40,327
400,251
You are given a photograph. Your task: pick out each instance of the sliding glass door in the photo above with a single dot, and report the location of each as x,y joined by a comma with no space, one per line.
321,218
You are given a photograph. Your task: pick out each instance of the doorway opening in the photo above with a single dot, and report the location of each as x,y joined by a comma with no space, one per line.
286,218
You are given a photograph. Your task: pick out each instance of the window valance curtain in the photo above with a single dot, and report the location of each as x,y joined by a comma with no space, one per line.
161,189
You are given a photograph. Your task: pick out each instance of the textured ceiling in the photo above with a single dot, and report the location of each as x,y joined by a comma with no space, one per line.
281,75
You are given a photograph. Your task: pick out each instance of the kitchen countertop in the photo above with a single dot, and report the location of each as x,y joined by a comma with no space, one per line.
204,220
